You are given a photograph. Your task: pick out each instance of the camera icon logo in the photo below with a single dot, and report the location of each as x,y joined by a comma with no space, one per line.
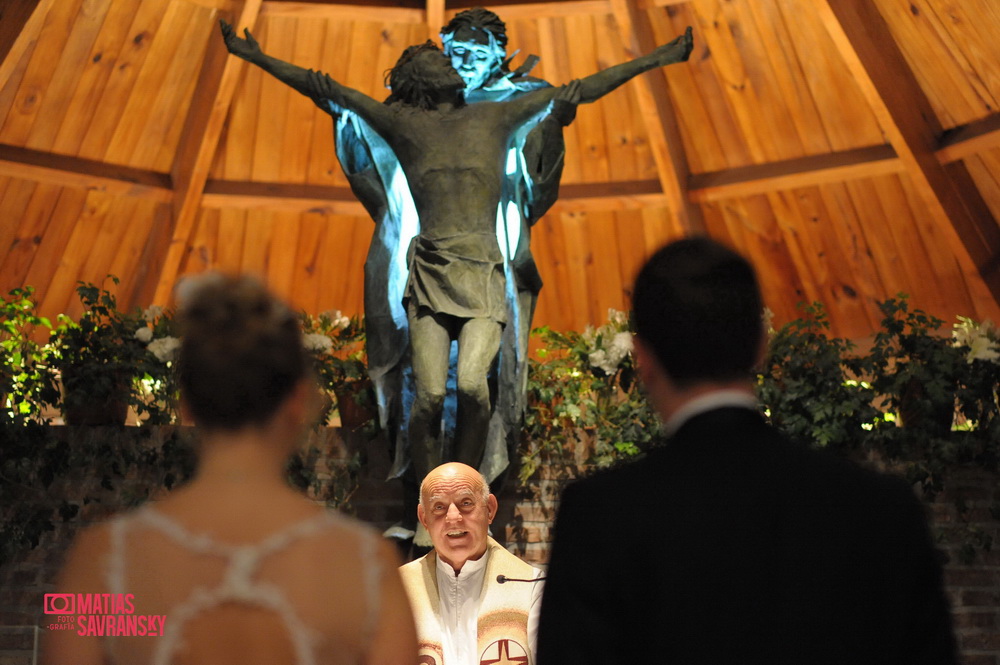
59,603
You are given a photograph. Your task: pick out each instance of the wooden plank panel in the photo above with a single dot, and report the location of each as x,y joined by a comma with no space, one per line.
200,256
68,72
167,125
121,84
55,243
33,219
322,167
277,38
790,86
229,246
110,237
704,117
20,23
341,261
301,113
61,295
632,250
604,285
844,111
589,123
846,227
41,68
864,42
623,137
99,65
131,245
141,124
257,241
281,253
937,59
12,205
305,283
547,244
579,260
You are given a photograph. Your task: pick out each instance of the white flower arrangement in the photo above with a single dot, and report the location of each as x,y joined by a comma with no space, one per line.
317,342
983,339
144,334
165,348
610,344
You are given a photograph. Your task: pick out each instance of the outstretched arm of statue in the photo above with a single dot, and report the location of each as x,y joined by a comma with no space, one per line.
376,114
248,49
597,85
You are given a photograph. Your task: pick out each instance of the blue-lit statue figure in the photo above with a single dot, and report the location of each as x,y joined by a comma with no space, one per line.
475,40
456,159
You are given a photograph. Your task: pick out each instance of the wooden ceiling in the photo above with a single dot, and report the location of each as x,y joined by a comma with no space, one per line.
850,147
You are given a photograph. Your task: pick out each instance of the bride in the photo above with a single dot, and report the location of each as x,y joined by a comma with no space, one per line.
236,567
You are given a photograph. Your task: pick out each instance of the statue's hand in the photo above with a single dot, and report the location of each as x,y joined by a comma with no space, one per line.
565,102
320,85
678,50
243,48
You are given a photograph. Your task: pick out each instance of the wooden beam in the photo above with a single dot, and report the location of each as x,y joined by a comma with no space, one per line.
343,12
20,23
67,171
803,172
949,195
435,19
281,196
967,140
199,141
661,123
340,200
222,5
537,10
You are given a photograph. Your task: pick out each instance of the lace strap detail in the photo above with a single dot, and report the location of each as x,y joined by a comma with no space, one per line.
115,564
372,571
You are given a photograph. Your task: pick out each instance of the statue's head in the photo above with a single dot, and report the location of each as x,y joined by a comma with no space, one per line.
423,76
476,42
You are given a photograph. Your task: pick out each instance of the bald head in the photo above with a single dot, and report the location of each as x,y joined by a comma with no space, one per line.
451,474
456,508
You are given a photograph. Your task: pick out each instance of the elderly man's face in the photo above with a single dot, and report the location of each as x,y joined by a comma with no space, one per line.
456,516
472,57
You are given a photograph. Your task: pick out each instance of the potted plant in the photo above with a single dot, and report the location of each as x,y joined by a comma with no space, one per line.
336,344
98,356
813,387
27,382
159,393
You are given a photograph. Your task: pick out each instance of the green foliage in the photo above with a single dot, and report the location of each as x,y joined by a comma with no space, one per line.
336,345
107,352
582,389
48,476
812,386
27,382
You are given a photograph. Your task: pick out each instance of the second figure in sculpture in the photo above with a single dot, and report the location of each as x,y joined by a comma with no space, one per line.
453,156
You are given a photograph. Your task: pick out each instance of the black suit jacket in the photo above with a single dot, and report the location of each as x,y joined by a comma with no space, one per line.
732,545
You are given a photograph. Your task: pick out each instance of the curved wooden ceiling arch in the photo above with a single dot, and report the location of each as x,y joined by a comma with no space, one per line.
850,147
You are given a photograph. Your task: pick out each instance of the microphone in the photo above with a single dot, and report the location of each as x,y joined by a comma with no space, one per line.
501,579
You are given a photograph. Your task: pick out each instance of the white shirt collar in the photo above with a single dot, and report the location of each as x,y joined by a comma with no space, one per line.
707,402
470,567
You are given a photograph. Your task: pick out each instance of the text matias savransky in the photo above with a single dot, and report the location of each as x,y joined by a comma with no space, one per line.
102,614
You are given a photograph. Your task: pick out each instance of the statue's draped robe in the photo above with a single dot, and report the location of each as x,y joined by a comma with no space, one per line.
533,170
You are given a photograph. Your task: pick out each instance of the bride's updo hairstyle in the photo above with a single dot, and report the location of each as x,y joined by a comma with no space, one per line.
241,351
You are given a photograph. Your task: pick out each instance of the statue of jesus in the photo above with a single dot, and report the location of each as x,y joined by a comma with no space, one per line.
453,155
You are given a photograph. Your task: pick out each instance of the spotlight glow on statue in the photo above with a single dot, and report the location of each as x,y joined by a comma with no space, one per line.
455,158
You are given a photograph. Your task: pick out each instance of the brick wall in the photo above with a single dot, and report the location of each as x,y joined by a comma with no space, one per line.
966,511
